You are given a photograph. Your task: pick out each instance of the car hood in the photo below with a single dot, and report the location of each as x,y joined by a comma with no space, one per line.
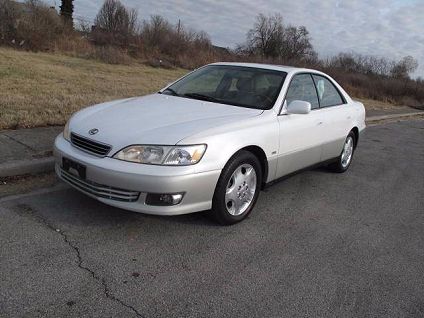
154,119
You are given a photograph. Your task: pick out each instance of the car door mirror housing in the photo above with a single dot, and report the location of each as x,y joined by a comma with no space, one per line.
299,107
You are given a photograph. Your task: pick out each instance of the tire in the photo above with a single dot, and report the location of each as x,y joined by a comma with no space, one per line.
234,196
345,159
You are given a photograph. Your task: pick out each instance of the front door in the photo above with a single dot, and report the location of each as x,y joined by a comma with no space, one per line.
300,134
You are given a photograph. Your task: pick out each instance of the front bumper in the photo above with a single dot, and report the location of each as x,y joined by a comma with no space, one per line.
106,179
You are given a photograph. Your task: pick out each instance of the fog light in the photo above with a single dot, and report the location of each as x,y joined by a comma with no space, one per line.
164,198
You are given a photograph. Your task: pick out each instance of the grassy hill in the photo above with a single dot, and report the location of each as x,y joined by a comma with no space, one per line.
39,89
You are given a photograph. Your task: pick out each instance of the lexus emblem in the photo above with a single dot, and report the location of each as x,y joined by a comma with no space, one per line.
93,131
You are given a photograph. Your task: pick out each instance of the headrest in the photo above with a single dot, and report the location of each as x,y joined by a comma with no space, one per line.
244,84
321,88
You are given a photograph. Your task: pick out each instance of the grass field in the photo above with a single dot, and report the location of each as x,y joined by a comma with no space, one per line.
39,89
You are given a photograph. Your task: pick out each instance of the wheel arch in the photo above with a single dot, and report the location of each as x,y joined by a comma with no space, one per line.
259,153
355,130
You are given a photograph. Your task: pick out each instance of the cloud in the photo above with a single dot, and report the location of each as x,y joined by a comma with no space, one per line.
389,28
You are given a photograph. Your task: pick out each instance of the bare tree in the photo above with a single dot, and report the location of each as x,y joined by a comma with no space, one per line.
269,38
202,40
156,31
266,36
404,67
118,22
296,44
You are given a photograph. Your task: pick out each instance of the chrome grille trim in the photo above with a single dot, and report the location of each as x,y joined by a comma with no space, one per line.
99,190
90,146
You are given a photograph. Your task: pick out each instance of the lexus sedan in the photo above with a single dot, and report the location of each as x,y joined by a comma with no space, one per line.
211,140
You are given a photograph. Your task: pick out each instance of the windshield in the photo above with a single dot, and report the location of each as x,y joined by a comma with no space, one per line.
235,85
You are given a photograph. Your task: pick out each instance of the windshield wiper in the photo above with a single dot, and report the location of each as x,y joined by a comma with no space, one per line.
202,97
170,90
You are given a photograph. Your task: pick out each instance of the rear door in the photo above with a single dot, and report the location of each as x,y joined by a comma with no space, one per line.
300,135
335,114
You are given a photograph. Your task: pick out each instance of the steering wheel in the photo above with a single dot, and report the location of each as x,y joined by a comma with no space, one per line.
264,97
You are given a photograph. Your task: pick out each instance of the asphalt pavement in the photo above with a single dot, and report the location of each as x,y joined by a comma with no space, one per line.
318,244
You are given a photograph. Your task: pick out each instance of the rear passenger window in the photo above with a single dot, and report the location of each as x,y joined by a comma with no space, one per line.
302,88
327,93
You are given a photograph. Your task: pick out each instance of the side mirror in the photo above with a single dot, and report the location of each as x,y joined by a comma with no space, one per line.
299,107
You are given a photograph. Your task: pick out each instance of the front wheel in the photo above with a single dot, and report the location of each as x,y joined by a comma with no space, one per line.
344,160
238,188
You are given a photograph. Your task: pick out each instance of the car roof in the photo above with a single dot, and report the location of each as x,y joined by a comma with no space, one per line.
287,69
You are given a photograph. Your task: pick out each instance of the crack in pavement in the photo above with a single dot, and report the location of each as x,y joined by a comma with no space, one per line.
20,142
29,210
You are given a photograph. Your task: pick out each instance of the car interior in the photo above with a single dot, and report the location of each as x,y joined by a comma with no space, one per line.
254,90
236,86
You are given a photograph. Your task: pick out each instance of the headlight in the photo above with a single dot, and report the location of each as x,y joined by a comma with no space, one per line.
185,155
143,154
66,132
162,155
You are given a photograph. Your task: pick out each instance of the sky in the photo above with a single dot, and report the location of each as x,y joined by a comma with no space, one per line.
388,28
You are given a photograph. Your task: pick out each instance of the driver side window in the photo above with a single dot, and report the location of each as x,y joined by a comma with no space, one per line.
302,88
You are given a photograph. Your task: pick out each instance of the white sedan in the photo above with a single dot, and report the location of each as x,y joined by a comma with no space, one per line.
211,140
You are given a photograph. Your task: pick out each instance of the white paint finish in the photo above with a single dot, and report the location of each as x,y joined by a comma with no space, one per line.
336,122
154,119
301,137
226,140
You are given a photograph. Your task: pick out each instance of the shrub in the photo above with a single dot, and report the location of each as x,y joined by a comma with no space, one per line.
111,55
9,15
39,27
75,45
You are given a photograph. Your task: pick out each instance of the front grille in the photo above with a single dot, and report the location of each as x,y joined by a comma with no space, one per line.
91,146
99,190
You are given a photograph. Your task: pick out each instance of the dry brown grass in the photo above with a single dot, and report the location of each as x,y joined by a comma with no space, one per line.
376,104
39,89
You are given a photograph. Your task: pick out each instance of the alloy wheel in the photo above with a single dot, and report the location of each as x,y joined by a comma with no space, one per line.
347,152
240,189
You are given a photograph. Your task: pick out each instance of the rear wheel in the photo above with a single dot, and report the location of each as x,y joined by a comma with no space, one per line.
344,160
238,188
